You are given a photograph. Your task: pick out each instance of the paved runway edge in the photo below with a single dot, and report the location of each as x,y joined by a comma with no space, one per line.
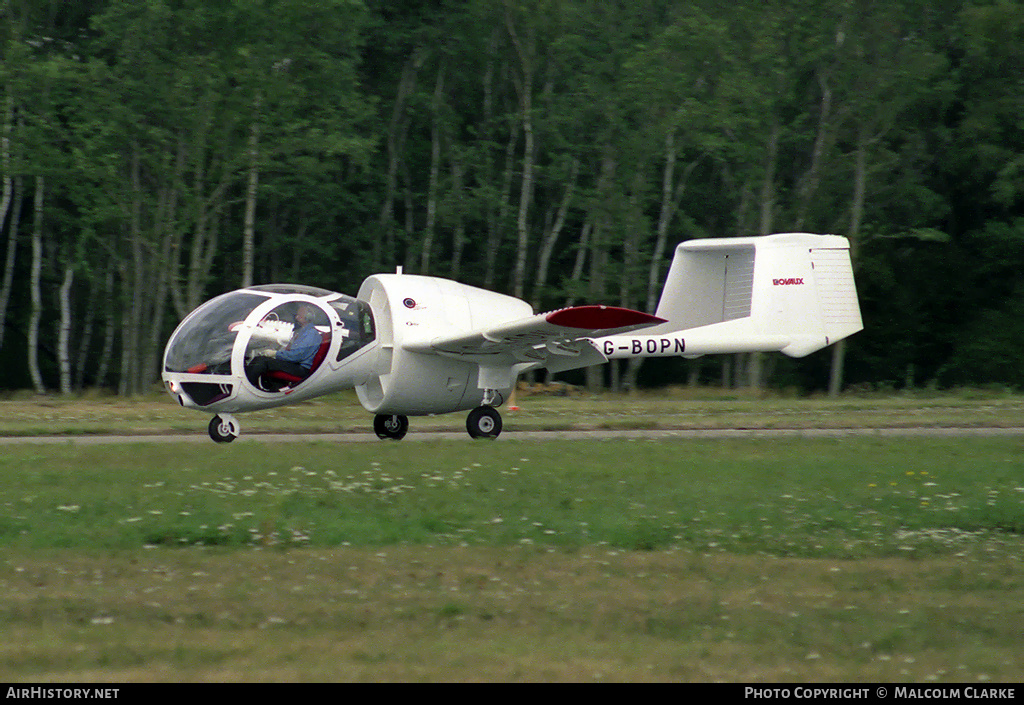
566,435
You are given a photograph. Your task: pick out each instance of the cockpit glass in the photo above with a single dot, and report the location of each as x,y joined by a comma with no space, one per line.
203,343
356,324
313,291
275,330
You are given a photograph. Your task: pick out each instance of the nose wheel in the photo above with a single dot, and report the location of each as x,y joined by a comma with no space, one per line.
484,422
224,428
391,426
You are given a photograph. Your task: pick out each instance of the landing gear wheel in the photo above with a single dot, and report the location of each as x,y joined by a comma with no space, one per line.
391,426
224,429
483,422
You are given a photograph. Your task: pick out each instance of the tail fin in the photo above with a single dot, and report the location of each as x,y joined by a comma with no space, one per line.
791,292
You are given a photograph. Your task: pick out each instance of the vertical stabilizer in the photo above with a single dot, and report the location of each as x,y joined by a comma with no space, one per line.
790,292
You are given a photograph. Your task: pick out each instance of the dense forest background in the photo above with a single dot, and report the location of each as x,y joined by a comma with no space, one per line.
154,153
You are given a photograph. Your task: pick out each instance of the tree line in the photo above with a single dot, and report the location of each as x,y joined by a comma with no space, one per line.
156,153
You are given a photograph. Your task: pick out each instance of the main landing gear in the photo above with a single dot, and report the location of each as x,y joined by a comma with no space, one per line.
482,422
224,428
485,421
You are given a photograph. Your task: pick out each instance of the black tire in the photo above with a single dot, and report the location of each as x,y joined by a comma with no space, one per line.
484,422
390,426
220,430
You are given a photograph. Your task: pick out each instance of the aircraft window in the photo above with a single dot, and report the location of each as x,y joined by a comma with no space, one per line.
275,331
356,325
280,329
202,343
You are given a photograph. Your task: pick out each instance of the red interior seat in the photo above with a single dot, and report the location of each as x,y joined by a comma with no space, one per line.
321,353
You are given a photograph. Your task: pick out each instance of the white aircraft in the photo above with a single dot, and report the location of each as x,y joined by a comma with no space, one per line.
415,345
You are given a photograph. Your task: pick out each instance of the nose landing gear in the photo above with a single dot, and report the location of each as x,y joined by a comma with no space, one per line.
390,426
224,428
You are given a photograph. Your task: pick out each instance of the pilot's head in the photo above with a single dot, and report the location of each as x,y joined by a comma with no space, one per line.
305,314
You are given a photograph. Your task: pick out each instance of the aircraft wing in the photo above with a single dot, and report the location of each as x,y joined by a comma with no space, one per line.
556,340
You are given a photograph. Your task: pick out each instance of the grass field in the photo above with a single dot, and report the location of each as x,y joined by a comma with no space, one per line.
834,559
685,408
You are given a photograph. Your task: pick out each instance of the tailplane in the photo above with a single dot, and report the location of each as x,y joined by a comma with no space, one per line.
791,292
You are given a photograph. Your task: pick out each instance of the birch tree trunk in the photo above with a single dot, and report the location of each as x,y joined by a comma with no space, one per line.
208,205
499,215
64,334
599,254
410,223
36,311
395,143
496,205
133,284
525,196
671,196
433,181
107,350
160,275
85,339
594,374
631,243
808,185
755,363
5,206
768,182
5,160
459,231
551,237
860,178
9,258
582,247
626,372
174,197
526,51
249,227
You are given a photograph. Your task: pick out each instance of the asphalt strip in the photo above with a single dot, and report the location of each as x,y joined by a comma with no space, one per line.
568,435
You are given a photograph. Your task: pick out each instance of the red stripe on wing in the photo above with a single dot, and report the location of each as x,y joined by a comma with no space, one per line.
597,317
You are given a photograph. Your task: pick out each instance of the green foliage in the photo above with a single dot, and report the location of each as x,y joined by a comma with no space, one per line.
369,124
990,348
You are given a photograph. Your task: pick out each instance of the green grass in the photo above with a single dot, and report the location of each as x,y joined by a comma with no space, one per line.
773,560
843,498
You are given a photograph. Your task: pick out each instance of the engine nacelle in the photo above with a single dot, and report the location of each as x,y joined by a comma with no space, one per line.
408,308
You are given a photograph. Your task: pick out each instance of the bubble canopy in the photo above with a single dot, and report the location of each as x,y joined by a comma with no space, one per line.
298,289
205,342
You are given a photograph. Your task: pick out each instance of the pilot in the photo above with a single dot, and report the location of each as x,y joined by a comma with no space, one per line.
295,359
